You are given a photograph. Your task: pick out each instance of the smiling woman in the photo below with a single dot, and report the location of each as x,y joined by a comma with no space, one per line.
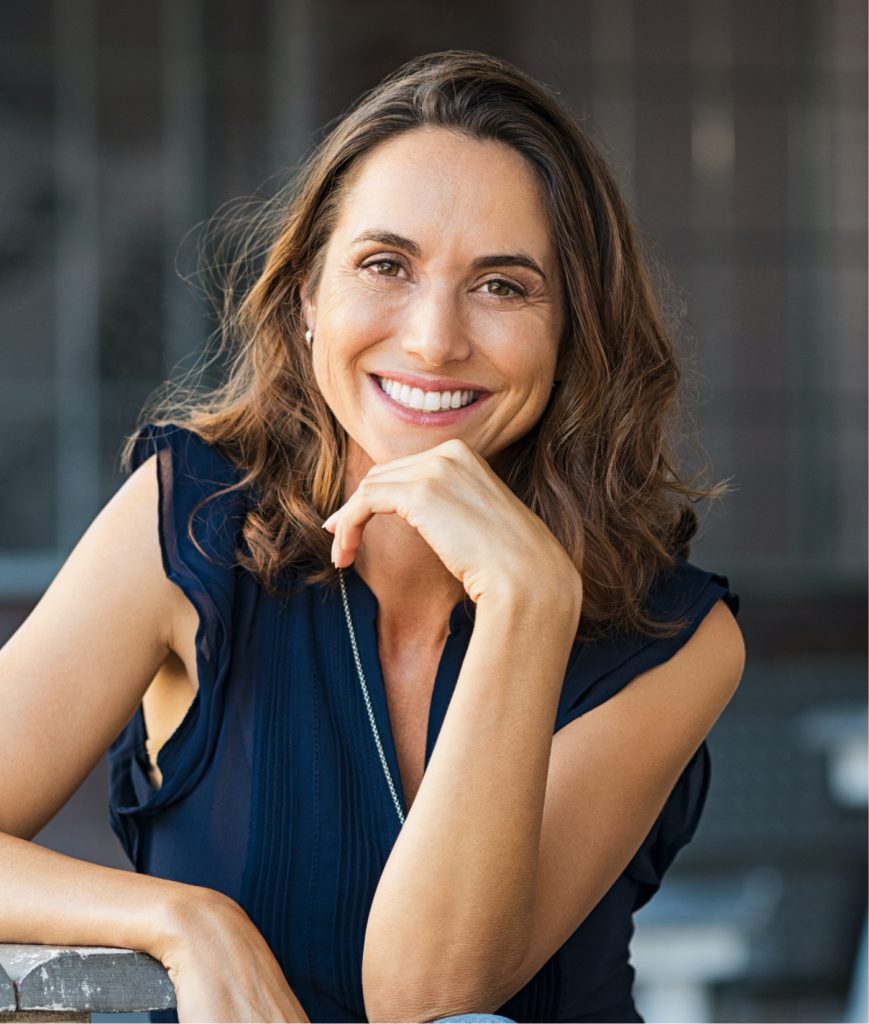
449,673
436,296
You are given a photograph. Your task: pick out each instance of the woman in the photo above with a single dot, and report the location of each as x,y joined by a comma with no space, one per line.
427,669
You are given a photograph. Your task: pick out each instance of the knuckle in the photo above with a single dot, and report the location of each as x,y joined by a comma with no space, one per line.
455,447
422,488
439,468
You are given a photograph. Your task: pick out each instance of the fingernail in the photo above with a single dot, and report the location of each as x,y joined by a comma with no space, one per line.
329,522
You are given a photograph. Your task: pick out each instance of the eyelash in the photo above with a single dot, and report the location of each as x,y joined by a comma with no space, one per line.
517,290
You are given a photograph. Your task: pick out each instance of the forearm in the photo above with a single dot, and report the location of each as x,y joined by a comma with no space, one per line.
47,897
456,896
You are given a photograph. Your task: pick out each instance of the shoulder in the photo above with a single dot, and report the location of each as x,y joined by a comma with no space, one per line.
711,636
193,457
202,505
719,639
699,668
686,588
703,602
692,686
194,495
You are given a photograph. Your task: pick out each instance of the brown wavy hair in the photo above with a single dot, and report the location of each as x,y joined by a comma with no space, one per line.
598,467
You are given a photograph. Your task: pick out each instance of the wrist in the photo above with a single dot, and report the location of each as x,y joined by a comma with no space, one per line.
559,599
528,620
184,914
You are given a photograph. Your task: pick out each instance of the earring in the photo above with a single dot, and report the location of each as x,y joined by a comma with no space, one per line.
309,336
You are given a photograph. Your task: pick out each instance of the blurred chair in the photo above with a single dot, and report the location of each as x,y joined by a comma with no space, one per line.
760,917
693,935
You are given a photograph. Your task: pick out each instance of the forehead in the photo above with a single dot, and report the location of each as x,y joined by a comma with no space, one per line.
435,185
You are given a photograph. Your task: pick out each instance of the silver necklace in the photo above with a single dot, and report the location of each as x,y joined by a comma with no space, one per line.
367,699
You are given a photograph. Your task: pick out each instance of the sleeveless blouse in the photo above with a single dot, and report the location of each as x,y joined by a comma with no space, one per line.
272,789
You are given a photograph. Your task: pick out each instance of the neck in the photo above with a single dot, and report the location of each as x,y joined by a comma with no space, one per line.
414,590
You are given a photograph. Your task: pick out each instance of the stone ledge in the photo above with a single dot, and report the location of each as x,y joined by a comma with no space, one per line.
51,980
8,1001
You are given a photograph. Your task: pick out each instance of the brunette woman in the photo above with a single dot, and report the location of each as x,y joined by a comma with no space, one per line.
393,635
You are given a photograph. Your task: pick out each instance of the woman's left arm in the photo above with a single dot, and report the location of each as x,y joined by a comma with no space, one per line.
515,835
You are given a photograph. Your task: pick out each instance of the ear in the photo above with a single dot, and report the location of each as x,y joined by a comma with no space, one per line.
309,305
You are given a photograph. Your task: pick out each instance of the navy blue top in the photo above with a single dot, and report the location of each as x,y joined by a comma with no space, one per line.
273,791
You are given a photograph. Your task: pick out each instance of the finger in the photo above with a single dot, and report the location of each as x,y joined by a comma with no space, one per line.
396,470
372,498
396,474
349,524
329,523
453,448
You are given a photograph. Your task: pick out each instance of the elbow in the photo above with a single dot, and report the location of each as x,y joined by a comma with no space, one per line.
394,993
416,972
391,992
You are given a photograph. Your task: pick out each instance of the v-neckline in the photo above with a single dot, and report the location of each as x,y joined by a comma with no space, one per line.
363,612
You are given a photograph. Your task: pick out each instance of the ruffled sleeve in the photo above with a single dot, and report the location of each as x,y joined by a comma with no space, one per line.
188,470
598,671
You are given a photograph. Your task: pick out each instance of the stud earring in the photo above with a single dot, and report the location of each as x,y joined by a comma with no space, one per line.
309,336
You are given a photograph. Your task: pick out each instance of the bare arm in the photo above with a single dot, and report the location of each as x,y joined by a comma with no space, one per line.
50,898
462,887
76,669
515,834
70,679
454,904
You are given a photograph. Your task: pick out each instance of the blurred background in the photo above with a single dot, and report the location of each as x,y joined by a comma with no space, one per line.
738,132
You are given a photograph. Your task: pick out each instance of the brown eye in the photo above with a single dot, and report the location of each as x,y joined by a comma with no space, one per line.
384,268
500,289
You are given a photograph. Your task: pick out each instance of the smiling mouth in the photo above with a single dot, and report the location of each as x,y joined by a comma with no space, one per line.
426,401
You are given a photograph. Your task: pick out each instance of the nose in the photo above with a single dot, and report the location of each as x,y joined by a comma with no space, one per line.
434,330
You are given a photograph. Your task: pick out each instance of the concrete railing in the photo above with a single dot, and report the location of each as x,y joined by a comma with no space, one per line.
68,983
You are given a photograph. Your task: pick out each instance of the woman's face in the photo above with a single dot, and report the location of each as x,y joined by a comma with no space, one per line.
440,279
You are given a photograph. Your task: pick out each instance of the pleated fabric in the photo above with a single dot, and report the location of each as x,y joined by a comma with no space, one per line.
273,791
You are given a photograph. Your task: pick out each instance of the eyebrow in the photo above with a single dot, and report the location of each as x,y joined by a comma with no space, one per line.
514,259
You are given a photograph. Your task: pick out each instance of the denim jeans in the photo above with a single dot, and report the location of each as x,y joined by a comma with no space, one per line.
477,1017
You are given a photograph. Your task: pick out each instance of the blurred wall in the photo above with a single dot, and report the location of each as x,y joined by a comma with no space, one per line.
738,131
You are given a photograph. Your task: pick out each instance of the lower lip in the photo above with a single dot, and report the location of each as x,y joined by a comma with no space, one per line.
427,419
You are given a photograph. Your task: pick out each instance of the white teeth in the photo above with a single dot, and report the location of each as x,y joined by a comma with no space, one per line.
426,401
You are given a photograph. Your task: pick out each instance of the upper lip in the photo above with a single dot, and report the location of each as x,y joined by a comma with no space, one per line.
430,383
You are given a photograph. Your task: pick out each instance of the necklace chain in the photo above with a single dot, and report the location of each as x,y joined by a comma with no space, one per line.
367,699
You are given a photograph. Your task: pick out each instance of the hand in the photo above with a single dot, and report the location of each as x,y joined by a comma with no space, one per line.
485,536
222,967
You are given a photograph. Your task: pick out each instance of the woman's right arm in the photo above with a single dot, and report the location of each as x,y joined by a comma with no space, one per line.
71,677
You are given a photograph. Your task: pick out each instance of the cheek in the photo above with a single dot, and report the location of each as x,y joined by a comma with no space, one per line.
521,351
348,325
358,316
523,340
